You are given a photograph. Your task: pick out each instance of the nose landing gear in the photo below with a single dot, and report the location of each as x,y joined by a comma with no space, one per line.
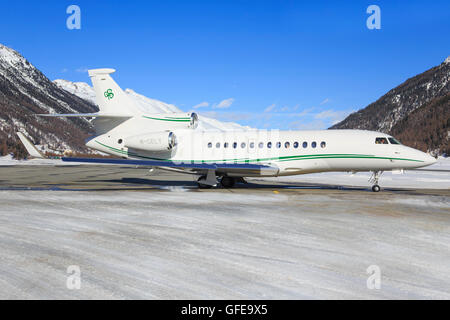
376,188
374,179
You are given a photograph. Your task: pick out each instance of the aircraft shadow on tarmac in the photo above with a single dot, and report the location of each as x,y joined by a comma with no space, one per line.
249,185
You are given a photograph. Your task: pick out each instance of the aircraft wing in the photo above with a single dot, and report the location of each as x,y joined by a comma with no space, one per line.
218,167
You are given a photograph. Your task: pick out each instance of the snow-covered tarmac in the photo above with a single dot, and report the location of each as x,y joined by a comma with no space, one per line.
219,244
157,237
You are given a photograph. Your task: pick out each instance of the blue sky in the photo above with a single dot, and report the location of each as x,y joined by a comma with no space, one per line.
267,64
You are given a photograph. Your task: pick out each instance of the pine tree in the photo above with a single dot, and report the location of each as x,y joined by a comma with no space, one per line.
3,148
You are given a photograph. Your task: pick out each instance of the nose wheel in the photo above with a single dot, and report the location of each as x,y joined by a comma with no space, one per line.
374,179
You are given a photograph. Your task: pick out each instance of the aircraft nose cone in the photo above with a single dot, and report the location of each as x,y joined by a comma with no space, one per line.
429,160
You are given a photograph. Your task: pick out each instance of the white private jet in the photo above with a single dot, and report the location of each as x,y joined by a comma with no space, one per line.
173,142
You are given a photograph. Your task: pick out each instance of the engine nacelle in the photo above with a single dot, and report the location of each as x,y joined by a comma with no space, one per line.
153,142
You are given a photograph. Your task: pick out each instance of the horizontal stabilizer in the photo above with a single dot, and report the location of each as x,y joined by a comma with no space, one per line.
85,115
31,148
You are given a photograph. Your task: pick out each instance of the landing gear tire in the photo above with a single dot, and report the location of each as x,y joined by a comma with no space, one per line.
374,179
228,182
202,185
376,188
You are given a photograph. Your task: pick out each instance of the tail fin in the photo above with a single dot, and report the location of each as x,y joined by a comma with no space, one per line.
110,97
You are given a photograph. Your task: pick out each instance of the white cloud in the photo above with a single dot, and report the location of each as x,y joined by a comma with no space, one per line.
309,125
64,70
325,101
270,108
333,116
82,70
304,112
326,114
201,105
273,108
224,104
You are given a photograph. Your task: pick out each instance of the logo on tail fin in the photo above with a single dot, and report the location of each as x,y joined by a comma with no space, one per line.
109,94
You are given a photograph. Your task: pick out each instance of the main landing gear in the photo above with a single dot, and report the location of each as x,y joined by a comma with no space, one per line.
226,182
202,185
374,179
207,181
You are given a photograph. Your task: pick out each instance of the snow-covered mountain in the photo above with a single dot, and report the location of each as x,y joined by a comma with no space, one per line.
417,111
146,105
25,92
80,89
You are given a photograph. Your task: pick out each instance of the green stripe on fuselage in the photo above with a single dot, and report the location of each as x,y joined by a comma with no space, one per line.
280,159
169,119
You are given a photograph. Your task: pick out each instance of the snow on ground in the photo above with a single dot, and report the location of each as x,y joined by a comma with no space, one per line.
13,58
10,161
204,245
409,179
80,89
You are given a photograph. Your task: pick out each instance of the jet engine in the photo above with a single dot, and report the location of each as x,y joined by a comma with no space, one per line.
153,142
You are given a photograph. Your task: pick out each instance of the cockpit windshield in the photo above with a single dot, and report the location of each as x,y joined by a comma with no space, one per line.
381,141
394,141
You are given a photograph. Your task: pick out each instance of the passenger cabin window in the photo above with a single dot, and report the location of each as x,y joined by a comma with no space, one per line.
394,141
269,144
305,144
252,145
234,145
323,144
261,145
209,145
314,144
381,141
295,144
243,145
287,145
218,145
225,145
278,144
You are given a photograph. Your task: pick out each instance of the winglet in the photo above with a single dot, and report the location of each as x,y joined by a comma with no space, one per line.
31,148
